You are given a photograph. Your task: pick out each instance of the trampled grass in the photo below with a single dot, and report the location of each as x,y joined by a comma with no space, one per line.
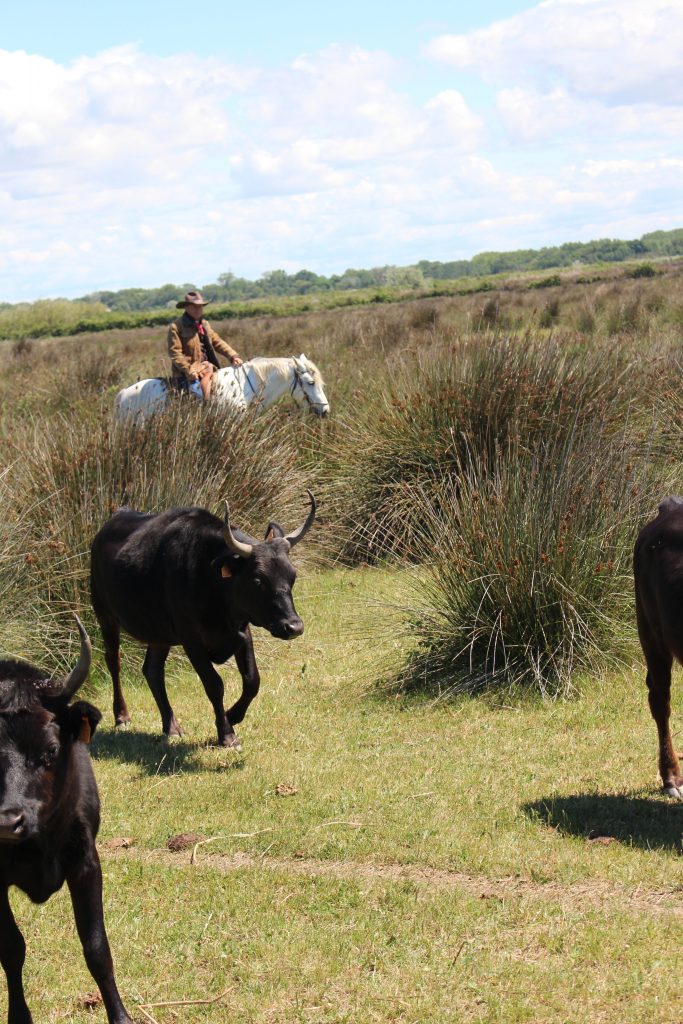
462,860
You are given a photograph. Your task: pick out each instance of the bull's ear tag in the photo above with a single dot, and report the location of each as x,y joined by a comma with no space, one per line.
85,735
226,572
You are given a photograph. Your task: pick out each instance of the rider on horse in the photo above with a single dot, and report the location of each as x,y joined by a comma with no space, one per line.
193,343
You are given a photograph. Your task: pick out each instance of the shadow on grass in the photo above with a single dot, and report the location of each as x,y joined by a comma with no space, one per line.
155,755
648,823
402,688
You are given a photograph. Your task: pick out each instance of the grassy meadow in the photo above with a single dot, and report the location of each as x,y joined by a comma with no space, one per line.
447,805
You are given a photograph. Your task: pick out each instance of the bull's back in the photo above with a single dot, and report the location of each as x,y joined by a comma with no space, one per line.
119,580
145,571
658,576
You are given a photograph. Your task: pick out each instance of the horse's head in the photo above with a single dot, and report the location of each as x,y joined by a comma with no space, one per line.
308,389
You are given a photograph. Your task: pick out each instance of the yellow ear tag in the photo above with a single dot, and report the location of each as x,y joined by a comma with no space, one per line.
85,734
225,572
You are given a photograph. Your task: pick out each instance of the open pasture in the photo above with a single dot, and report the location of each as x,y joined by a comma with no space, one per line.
385,848
374,858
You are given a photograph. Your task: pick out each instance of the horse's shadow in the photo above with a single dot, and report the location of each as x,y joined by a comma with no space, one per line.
155,755
638,821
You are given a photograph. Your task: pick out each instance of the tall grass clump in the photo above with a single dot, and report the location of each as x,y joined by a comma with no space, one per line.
72,474
484,394
528,577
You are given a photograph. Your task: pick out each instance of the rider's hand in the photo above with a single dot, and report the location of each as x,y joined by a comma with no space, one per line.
236,361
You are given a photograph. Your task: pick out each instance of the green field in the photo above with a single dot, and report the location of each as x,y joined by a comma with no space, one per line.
486,860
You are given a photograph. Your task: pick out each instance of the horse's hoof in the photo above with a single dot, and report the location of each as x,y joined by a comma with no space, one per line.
123,723
674,791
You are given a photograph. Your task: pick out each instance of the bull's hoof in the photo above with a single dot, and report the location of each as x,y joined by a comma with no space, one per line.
174,732
231,742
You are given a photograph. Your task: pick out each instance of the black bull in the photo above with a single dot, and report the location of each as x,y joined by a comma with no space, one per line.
658,571
49,817
185,578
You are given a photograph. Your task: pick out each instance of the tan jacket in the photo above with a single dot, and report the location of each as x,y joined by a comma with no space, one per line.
184,344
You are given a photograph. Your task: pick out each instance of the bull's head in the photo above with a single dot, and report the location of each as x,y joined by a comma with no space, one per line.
261,576
38,728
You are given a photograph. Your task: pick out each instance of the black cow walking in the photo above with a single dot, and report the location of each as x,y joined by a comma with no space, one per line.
49,817
658,572
184,577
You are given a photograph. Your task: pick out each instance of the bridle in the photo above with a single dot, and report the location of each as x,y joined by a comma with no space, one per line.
299,380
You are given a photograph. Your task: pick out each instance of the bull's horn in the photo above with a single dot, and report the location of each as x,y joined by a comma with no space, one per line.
235,545
79,673
295,537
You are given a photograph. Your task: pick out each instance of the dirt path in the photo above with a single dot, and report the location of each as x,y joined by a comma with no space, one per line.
588,895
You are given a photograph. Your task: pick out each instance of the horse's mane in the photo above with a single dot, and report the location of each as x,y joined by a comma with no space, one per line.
259,365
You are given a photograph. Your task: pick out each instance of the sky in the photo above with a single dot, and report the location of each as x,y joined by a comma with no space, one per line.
146,143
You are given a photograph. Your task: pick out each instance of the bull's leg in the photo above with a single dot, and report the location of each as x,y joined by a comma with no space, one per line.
12,954
246,663
213,684
85,885
111,635
153,670
659,697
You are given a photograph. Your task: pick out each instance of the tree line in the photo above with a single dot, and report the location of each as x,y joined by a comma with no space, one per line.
230,288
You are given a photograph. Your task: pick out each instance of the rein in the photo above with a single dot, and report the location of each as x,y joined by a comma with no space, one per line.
246,377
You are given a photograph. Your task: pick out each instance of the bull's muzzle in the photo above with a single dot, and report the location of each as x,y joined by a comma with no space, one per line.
287,630
12,826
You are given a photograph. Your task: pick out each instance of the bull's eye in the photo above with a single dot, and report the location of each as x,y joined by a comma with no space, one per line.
50,756
258,582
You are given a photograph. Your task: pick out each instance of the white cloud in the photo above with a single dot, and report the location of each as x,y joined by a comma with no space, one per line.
314,124
120,117
617,50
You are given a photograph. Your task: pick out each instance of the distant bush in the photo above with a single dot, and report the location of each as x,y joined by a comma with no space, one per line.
490,314
642,270
550,313
585,321
424,316
547,282
625,317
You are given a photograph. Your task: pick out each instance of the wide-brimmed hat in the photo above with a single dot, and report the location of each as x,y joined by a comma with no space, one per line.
193,299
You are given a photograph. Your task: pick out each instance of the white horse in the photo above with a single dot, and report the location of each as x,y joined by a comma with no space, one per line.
260,381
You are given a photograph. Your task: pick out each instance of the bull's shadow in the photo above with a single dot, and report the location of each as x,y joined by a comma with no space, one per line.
640,821
155,755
